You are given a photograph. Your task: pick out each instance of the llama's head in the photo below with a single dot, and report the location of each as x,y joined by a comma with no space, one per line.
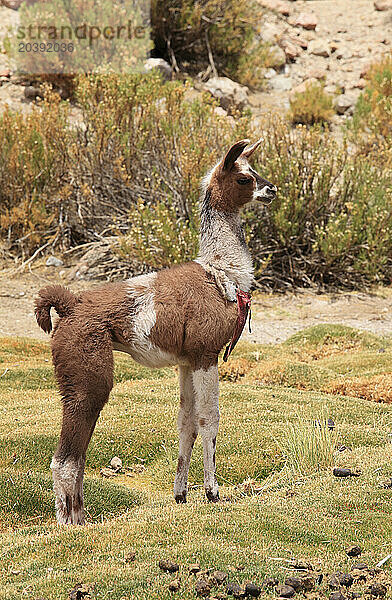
233,183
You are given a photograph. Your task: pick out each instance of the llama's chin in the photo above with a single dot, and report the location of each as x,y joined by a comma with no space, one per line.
265,197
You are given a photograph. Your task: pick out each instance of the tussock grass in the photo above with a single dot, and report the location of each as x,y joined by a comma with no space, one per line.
269,435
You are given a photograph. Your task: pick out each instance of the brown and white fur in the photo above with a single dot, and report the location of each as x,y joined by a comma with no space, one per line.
183,315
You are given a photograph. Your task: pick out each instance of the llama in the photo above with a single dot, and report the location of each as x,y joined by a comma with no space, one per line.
182,315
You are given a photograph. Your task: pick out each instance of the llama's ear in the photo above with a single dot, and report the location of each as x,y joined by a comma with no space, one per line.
249,151
235,151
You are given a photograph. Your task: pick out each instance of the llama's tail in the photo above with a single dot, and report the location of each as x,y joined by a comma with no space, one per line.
62,300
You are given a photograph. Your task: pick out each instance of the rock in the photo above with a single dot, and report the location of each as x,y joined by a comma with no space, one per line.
281,83
202,588
285,591
252,590
52,261
116,463
269,32
302,87
161,65
382,4
360,567
5,74
270,582
338,579
291,49
81,591
343,103
174,585
279,6
337,596
220,577
194,568
277,57
331,424
307,20
168,566
317,74
233,589
32,93
269,73
359,576
229,93
354,551
378,590
319,48
294,582
338,472
108,472
131,557
308,582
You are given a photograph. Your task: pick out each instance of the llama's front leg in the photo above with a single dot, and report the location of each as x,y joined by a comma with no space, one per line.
187,428
206,386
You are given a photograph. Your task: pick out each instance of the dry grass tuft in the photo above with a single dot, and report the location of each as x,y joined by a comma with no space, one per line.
377,388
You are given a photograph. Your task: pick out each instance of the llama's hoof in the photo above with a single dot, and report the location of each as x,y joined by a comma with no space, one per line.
212,496
180,498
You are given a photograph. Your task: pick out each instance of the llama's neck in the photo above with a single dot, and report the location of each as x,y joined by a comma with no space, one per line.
223,246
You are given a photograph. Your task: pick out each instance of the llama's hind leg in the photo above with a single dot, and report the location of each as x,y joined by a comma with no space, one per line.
85,377
187,428
206,386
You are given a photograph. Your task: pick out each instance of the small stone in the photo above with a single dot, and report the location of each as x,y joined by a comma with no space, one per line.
131,557
194,568
355,595
15,572
160,65
338,472
108,472
294,582
337,596
32,93
270,582
116,463
290,48
168,566
319,48
361,567
308,583
230,94
307,21
269,73
220,577
202,587
344,103
382,5
80,591
253,590
281,83
302,87
285,591
277,57
331,424
378,590
233,589
354,551
174,585
338,579
52,261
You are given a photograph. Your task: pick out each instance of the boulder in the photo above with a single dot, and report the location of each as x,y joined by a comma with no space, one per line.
277,57
281,83
290,48
302,87
158,63
383,4
307,20
319,48
230,94
269,32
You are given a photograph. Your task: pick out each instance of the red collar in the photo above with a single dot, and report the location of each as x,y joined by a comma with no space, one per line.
243,308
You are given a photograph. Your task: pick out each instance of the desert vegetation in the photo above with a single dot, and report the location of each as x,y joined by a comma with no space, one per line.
282,503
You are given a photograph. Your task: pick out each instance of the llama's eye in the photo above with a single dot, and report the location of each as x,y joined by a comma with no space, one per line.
243,181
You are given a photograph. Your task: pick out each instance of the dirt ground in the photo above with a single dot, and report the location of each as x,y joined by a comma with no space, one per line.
274,317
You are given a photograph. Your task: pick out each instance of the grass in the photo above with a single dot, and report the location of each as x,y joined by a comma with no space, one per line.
275,459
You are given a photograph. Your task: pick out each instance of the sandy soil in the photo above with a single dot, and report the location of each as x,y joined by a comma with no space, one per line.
274,317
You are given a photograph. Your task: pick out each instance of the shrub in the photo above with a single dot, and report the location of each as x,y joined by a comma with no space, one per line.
374,107
331,223
312,106
195,34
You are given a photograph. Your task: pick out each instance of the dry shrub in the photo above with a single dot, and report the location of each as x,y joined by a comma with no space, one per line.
377,388
235,369
33,160
312,106
198,36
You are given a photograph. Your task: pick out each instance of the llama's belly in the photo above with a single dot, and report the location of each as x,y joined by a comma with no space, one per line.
147,354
